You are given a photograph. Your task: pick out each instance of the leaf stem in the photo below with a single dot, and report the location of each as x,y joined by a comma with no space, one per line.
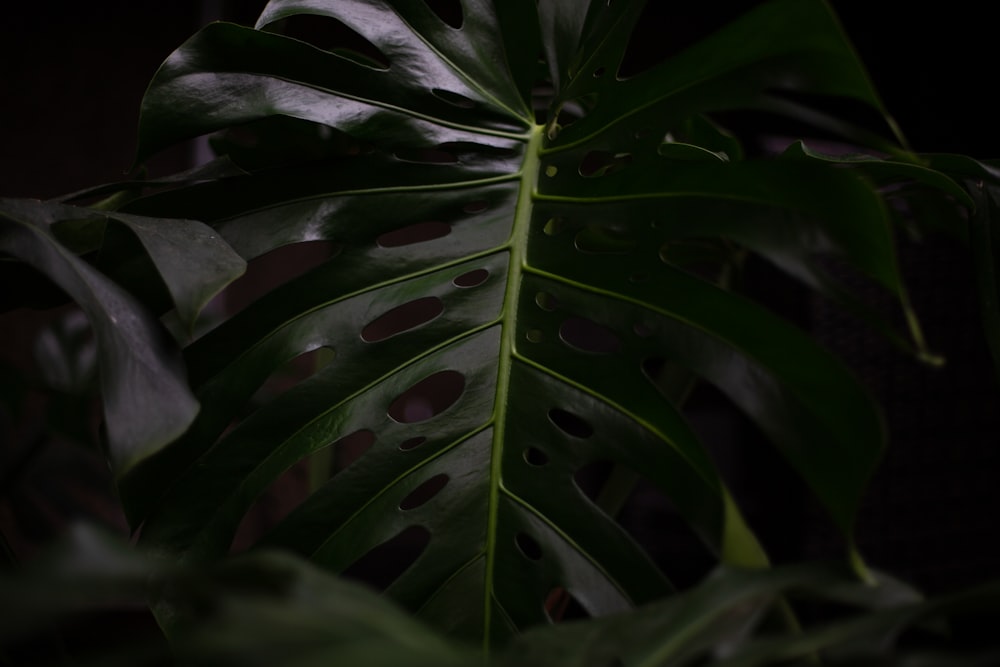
518,245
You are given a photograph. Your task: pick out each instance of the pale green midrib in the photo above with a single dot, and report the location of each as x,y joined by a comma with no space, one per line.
518,246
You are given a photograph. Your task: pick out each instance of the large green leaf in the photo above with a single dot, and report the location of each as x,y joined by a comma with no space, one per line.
508,301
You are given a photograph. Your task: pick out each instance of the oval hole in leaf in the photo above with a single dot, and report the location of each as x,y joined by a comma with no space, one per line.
329,34
417,233
534,456
588,336
602,163
553,226
546,301
528,547
570,423
383,564
603,240
455,99
426,155
561,606
351,447
291,488
402,318
423,493
428,398
273,269
273,504
412,443
449,11
534,336
288,376
473,278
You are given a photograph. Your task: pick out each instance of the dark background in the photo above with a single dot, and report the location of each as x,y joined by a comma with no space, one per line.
72,76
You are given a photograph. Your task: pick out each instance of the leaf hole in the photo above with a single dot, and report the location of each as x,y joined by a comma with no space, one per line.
599,72
412,443
449,11
528,547
603,163
553,226
424,493
570,424
329,34
273,269
534,456
428,398
273,504
383,564
454,99
473,278
664,253
288,375
534,336
588,336
350,448
551,170
546,301
402,318
561,606
411,234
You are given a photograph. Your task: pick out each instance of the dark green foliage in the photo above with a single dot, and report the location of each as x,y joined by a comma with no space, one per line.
523,266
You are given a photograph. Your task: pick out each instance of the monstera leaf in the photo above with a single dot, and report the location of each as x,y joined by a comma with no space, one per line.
528,260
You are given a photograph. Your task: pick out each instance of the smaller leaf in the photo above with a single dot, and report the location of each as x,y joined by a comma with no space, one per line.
147,402
193,260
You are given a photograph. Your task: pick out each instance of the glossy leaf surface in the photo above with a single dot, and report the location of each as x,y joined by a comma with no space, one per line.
502,297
